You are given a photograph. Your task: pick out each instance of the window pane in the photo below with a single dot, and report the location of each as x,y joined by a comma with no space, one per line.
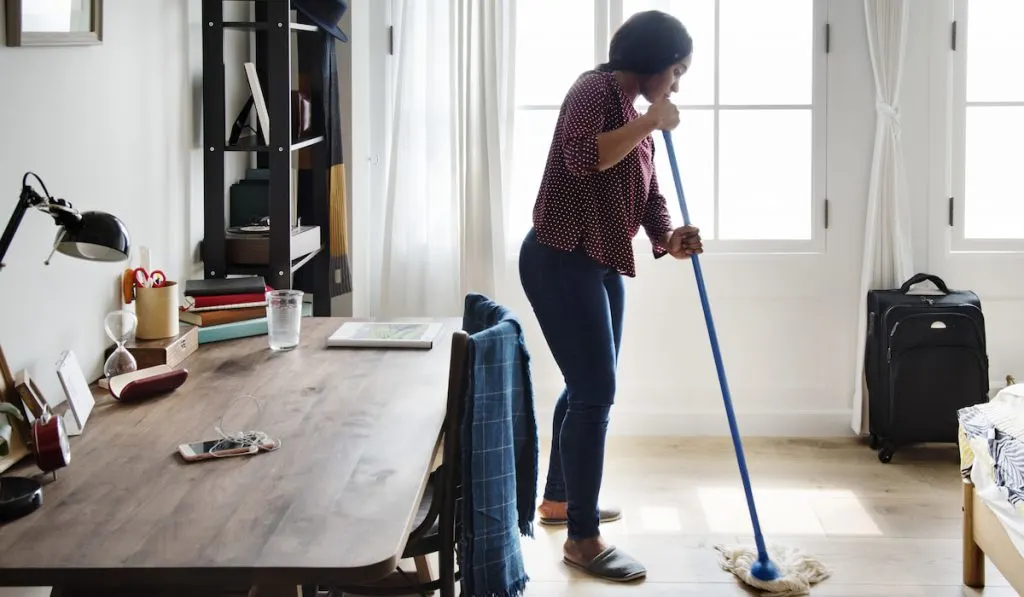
765,174
697,87
766,51
554,45
995,48
994,194
694,140
532,140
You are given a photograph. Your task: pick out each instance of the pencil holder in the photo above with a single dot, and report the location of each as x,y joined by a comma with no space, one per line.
157,311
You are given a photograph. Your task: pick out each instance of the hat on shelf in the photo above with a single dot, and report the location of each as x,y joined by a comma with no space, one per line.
325,13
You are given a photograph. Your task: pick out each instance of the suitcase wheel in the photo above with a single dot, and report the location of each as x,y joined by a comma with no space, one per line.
874,442
886,453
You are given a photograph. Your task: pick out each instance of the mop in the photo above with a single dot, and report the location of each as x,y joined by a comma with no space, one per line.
787,572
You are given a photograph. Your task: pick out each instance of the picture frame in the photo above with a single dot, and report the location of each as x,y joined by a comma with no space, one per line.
18,442
76,388
81,25
259,101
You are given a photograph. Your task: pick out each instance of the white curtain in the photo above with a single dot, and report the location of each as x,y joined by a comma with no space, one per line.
449,155
888,260
487,112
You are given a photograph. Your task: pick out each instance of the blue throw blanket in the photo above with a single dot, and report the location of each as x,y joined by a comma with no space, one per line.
499,453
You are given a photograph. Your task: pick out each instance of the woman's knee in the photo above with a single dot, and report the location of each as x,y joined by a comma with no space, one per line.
594,391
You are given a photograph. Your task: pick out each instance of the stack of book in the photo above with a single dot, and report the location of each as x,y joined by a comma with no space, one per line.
226,308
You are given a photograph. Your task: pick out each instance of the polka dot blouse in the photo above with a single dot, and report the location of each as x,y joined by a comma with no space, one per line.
601,212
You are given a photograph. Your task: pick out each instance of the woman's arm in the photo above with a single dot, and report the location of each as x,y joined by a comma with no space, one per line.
679,242
656,220
586,146
613,146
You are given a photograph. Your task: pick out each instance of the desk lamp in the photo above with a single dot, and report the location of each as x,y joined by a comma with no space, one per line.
91,235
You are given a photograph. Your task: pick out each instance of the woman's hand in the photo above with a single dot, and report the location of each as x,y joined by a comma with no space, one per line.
664,114
684,242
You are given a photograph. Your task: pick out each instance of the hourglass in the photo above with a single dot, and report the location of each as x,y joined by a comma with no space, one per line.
120,326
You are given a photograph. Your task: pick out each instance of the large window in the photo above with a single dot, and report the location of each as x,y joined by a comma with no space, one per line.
751,142
988,126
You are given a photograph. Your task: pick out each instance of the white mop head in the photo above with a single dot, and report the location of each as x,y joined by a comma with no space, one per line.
797,571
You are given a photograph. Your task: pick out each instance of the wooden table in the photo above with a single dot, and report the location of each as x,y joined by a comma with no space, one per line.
359,431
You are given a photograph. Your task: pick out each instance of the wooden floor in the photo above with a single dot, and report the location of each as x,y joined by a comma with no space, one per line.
891,530
883,529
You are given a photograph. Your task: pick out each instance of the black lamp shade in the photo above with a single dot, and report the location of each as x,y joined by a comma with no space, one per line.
96,236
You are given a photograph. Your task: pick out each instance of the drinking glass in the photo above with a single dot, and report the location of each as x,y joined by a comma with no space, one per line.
284,318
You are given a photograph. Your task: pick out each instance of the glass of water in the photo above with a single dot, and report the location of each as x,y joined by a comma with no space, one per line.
284,318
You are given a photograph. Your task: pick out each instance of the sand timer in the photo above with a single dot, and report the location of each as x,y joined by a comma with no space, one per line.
120,326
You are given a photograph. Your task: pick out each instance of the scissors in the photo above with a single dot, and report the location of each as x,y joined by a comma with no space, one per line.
146,279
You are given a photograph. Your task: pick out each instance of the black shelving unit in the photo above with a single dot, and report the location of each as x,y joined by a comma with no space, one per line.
273,29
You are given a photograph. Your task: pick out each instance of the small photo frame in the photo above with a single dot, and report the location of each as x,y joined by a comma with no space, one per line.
259,101
76,388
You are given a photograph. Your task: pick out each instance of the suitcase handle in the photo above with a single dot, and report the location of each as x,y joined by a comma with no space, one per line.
918,278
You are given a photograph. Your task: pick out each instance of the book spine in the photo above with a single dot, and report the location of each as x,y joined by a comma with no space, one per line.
223,300
224,307
251,286
231,331
210,318
241,329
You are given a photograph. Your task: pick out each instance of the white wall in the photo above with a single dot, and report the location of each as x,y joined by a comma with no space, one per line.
370,72
113,127
786,323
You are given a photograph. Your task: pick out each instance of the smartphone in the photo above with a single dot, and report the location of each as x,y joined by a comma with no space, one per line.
214,448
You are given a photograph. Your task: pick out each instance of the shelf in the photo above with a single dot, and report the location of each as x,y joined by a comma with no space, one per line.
303,259
263,26
254,250
249,144
261,270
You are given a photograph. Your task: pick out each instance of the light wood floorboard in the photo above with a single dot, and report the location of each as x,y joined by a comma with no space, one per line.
884,530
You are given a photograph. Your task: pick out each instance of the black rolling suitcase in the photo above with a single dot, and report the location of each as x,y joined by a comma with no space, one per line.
925,358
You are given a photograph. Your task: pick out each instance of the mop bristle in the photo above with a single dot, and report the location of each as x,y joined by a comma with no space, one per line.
797,572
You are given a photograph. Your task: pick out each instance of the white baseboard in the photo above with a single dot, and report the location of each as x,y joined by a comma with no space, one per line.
779,412
751,424
819,424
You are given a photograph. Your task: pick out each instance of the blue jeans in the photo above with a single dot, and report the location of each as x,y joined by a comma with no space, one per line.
579,305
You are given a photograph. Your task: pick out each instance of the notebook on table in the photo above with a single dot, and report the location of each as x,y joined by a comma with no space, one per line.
366,334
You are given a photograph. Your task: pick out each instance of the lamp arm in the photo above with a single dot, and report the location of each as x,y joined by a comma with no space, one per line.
28,198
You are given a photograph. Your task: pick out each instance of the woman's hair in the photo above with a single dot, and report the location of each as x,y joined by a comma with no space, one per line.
648,43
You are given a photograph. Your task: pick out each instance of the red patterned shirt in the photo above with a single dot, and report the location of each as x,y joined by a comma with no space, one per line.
578,206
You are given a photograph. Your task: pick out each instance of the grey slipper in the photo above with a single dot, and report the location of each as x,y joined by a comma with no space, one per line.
612,564
610,514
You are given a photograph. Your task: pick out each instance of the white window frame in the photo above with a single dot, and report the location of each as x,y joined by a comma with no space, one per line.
958,242
608,15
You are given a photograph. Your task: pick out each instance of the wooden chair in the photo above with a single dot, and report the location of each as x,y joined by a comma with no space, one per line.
437,524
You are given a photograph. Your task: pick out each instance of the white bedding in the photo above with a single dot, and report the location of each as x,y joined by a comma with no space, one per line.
992,457
995,497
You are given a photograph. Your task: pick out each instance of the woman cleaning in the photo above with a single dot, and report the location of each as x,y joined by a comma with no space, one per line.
599,188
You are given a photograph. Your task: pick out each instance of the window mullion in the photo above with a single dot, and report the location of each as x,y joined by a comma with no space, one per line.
958,201
603,23
717,148
615,17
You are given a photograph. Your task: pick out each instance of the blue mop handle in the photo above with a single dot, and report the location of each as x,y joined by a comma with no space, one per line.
762,553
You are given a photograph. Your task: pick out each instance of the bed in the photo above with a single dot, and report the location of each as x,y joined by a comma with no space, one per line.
991,439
